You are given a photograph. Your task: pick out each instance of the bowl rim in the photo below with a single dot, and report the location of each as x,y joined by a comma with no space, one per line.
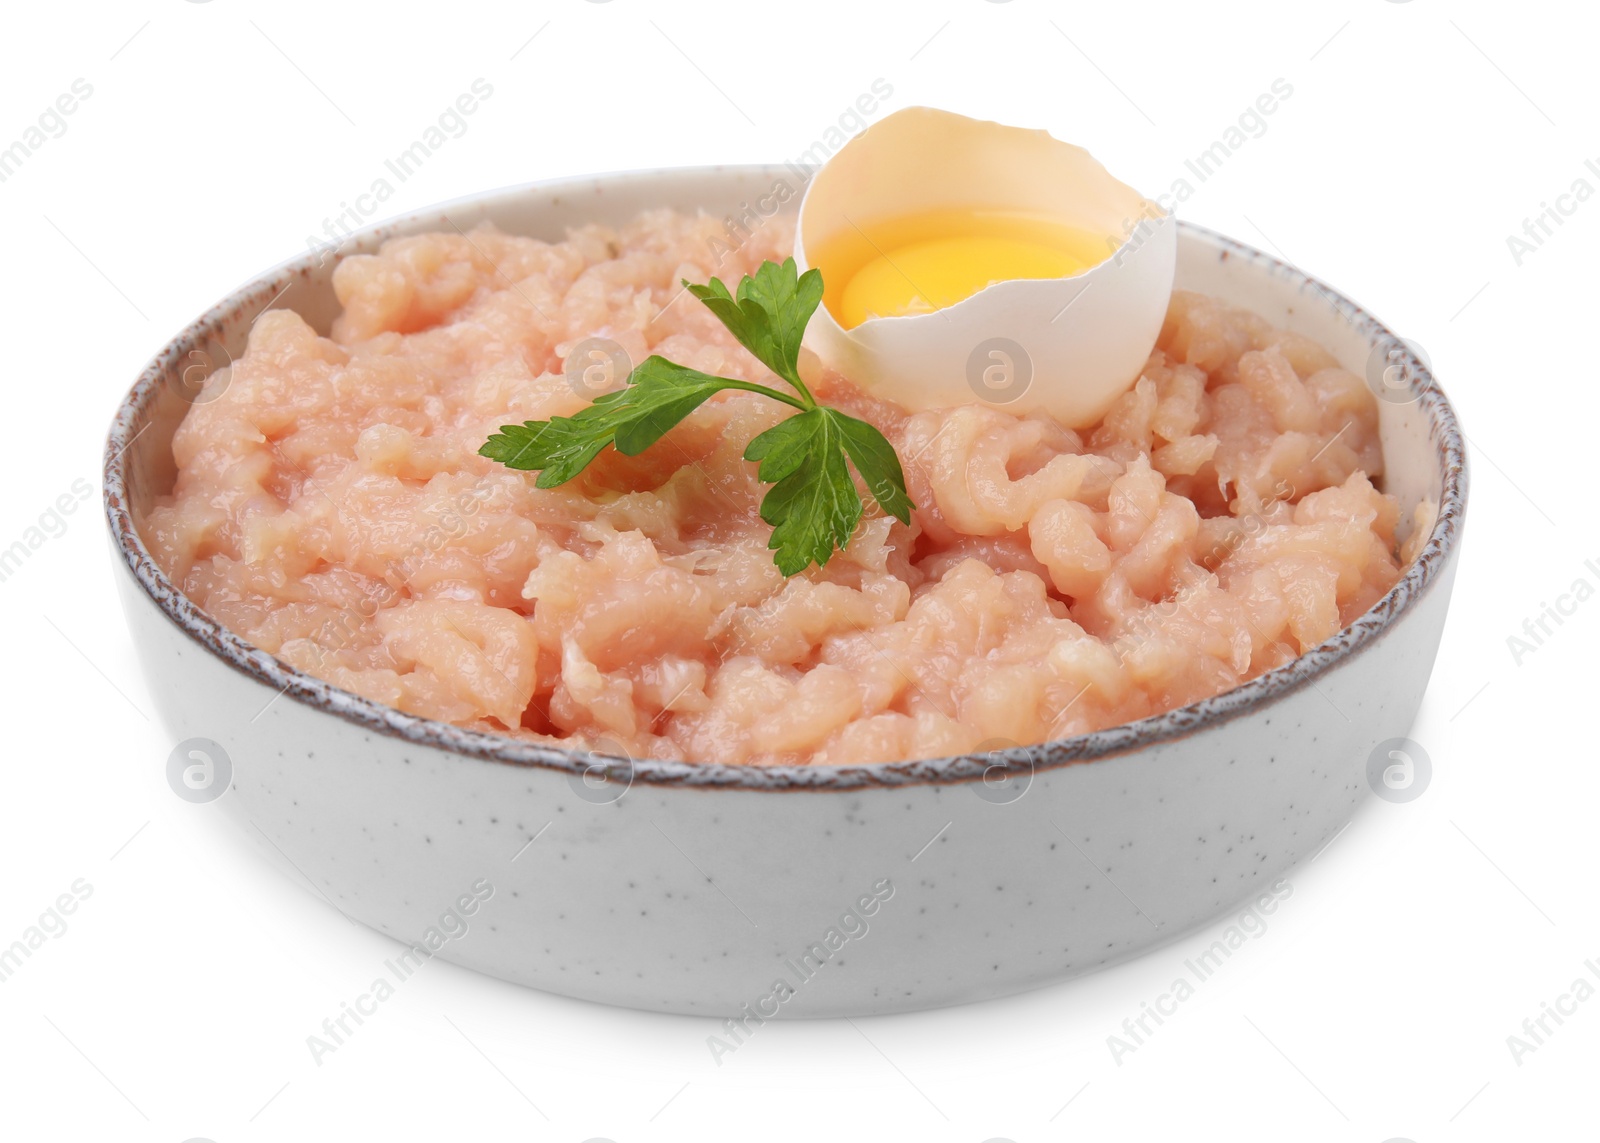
128,423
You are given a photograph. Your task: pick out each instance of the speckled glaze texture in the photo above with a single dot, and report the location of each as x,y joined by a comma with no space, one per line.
866,889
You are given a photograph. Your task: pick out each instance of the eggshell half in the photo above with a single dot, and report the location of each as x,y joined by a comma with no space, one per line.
1067,346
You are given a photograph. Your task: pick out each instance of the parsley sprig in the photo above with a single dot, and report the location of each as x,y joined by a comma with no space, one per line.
813,505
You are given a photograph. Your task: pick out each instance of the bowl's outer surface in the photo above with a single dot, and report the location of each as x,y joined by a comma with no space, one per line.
668,895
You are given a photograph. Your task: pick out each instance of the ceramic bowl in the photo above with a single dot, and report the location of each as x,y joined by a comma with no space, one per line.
786,891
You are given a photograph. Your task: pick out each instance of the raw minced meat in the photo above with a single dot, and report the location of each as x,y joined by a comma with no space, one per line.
331,507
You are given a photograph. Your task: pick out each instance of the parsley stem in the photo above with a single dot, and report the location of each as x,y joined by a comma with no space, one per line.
775,394
810,401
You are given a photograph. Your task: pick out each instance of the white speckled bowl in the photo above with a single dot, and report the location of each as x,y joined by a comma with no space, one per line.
699,888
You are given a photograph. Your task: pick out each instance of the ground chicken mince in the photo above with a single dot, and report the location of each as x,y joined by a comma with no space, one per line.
331,507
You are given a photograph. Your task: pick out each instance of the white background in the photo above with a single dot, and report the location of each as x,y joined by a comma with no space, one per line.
1377,1005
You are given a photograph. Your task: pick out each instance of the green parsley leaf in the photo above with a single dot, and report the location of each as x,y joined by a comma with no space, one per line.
560,446
878,464
769,313
813,505
659,394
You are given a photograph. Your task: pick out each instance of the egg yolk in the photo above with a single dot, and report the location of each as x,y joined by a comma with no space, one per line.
925,262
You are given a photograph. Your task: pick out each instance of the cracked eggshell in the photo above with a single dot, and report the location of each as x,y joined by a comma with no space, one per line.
1066,346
